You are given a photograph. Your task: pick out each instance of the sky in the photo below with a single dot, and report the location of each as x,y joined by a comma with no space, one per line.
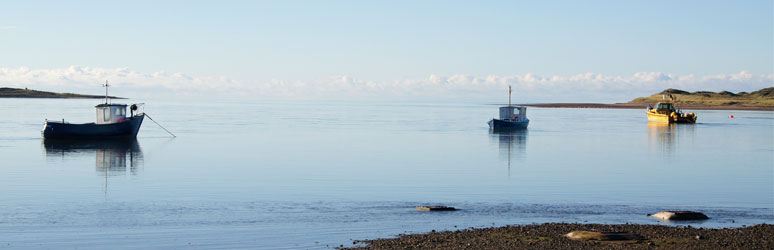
551,51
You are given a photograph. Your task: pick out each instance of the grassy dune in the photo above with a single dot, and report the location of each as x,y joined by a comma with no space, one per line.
763,98
28,93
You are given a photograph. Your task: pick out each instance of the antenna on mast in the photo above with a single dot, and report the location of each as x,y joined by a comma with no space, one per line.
106,85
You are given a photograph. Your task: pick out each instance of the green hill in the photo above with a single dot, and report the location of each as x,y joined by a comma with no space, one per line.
28,93
763,97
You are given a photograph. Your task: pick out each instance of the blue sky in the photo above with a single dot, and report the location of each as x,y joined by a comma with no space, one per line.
258,41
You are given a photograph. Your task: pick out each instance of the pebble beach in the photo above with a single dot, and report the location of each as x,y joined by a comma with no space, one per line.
553,236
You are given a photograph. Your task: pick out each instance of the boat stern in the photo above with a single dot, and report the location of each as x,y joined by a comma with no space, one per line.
48,128
45,126
496,124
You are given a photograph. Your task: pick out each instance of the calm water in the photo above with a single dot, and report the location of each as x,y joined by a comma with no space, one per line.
315,175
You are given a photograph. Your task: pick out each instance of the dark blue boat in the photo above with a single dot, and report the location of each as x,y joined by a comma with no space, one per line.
511,117
504,124
112,122
115,126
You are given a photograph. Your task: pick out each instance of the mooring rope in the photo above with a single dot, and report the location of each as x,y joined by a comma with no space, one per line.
162,127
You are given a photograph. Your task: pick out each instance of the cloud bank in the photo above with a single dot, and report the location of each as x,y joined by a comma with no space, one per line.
588,87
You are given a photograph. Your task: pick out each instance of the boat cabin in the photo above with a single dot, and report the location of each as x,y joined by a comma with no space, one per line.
664,108
665,105
110,113
513,113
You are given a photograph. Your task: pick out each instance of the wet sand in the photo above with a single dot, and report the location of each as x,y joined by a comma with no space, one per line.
643,106
551,236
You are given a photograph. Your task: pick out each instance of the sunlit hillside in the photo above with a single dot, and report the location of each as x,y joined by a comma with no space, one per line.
763,97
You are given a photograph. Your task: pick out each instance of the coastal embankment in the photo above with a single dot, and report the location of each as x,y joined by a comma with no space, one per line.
762,100
644,106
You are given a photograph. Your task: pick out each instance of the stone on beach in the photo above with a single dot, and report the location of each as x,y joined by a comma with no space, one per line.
435,208
602,236
679,215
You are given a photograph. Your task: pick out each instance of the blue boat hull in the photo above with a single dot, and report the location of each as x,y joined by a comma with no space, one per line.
497,124
128,128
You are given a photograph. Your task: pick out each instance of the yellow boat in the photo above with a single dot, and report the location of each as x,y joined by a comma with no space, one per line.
666,112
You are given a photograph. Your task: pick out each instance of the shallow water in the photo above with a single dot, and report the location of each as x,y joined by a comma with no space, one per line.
247,174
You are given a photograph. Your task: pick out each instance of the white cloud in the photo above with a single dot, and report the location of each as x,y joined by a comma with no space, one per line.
7,27
587,87
77,78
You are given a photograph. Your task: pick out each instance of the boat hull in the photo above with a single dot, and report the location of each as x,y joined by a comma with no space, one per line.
128,128
655,117
497,124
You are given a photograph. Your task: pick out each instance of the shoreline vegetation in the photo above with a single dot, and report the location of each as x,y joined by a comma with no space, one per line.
29,93
762,100
554,236
644,106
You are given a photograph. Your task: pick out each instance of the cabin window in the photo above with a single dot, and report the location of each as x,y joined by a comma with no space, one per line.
106,112
119,112
516,112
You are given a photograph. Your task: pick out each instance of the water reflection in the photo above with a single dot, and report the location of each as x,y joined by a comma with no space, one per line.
112,156
512,144
665,136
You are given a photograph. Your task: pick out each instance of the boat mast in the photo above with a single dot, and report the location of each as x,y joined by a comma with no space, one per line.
509,95
106,91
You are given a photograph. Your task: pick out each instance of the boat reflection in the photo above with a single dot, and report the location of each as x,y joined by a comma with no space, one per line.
112,156
511,142
665,136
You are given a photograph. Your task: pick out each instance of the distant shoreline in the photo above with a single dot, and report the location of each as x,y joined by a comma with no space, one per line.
761,100
644,106
29,93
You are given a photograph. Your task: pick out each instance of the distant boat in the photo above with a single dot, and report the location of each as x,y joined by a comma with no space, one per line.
666,112
111,122
511,117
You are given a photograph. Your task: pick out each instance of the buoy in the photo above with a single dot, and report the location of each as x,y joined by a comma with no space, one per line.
732,116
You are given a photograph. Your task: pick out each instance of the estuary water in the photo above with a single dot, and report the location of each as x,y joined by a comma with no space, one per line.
263,174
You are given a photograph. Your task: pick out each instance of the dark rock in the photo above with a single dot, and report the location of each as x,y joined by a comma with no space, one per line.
680,215
434,208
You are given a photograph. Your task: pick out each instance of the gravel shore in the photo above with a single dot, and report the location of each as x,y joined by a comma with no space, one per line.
551,236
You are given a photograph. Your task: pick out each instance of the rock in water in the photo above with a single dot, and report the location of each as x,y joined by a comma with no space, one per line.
602,236
679,215
435,208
